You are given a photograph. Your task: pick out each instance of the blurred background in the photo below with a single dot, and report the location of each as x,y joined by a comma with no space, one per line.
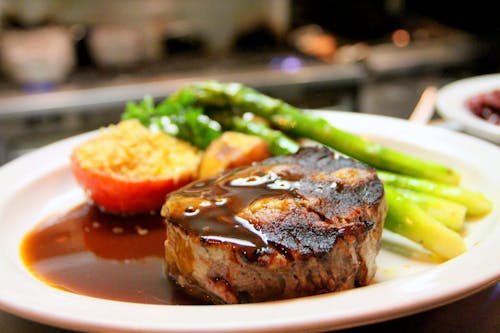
69,66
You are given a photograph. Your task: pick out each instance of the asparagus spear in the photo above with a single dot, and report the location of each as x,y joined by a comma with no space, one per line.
476,203
444,211
371,153
292,120
407,219
279,143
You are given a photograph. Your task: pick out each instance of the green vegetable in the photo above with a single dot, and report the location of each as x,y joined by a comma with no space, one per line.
279,143
292,120
178,118
407,219
445,211
476,203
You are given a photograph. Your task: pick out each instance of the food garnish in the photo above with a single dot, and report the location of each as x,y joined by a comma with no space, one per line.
231,150
128,169
179,118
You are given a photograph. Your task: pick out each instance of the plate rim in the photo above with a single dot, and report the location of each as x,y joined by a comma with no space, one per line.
412,303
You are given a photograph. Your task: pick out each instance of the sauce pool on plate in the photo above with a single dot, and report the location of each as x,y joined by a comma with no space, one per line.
91,253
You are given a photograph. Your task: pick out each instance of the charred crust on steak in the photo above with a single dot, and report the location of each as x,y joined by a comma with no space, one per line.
289,226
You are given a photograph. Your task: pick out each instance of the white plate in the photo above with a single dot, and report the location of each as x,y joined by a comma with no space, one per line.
451,105
40,183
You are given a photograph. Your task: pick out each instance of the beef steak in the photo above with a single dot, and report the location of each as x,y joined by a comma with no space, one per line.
290,226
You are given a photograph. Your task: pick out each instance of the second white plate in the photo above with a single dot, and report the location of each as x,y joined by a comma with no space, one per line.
451,105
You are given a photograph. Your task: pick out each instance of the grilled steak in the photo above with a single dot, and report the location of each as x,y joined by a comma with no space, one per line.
291,226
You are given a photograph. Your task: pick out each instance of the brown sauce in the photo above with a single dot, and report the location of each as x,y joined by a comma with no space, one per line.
87,252
209,208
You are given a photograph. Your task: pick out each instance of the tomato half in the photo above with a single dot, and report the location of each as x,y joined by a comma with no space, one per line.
128,169
123,196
